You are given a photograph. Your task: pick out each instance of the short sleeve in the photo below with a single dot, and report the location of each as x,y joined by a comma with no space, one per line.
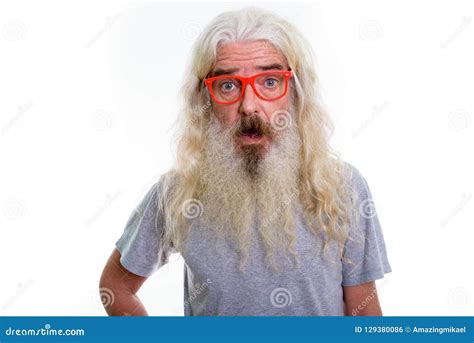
141,245
365,253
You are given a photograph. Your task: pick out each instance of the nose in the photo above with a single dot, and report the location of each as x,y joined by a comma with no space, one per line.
250,103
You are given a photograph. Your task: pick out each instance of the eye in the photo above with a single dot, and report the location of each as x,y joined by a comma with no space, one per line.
271,82
227,86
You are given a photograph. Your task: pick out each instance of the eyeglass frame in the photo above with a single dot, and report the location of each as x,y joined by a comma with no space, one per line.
288,74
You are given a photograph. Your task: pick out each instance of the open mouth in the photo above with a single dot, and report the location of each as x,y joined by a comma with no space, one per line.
253,130
252,133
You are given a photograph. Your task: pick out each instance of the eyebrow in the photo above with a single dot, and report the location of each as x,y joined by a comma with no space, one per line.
221,71
272,66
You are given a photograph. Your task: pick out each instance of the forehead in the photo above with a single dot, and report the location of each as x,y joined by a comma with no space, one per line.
248,55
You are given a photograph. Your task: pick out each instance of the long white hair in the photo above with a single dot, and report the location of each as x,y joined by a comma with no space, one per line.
322,178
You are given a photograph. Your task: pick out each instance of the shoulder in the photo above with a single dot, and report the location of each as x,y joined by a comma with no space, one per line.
155,194
163,184
356,179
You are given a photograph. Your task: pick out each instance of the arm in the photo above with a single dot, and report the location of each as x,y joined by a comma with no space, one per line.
361,300
119,288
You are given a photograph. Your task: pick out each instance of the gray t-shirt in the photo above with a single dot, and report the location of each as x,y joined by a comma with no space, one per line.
213,285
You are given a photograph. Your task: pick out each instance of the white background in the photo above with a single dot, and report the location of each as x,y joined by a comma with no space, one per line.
89,92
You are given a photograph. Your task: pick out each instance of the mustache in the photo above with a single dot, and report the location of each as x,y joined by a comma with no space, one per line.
253,125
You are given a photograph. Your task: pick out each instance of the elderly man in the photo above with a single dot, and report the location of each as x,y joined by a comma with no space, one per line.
268,219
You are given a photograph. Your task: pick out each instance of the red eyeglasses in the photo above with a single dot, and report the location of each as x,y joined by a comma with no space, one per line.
269,86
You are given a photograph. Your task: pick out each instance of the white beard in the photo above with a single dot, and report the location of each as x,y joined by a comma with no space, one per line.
234,195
